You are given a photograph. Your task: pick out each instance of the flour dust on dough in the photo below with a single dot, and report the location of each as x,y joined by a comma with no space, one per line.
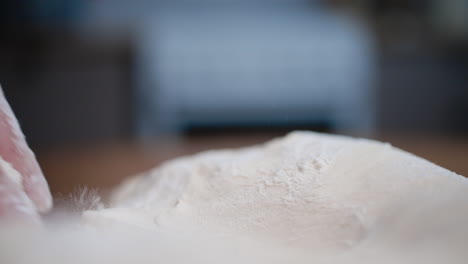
304,198
305,191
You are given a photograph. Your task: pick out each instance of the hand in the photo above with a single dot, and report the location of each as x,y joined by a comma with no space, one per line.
23,189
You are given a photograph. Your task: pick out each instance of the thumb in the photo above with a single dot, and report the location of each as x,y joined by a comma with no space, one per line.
14,203
14,150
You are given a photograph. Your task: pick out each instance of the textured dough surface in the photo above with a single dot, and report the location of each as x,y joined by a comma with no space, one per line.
280,202
306,190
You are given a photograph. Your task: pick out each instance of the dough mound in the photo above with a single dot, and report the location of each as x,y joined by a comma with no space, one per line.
303,191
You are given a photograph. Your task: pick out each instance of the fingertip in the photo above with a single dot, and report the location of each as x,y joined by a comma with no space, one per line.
15,150
15,205
38,191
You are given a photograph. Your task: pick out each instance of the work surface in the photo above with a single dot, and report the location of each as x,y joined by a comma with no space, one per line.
105,165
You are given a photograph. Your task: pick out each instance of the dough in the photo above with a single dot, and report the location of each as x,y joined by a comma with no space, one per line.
306,190
305,198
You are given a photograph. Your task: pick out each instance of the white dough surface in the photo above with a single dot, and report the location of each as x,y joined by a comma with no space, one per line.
304,191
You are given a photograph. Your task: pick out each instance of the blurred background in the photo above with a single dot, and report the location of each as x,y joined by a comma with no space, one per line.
104,89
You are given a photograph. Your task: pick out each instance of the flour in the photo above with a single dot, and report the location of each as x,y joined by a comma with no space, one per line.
306,190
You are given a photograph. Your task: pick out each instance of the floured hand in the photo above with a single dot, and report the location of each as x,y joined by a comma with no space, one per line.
23,189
